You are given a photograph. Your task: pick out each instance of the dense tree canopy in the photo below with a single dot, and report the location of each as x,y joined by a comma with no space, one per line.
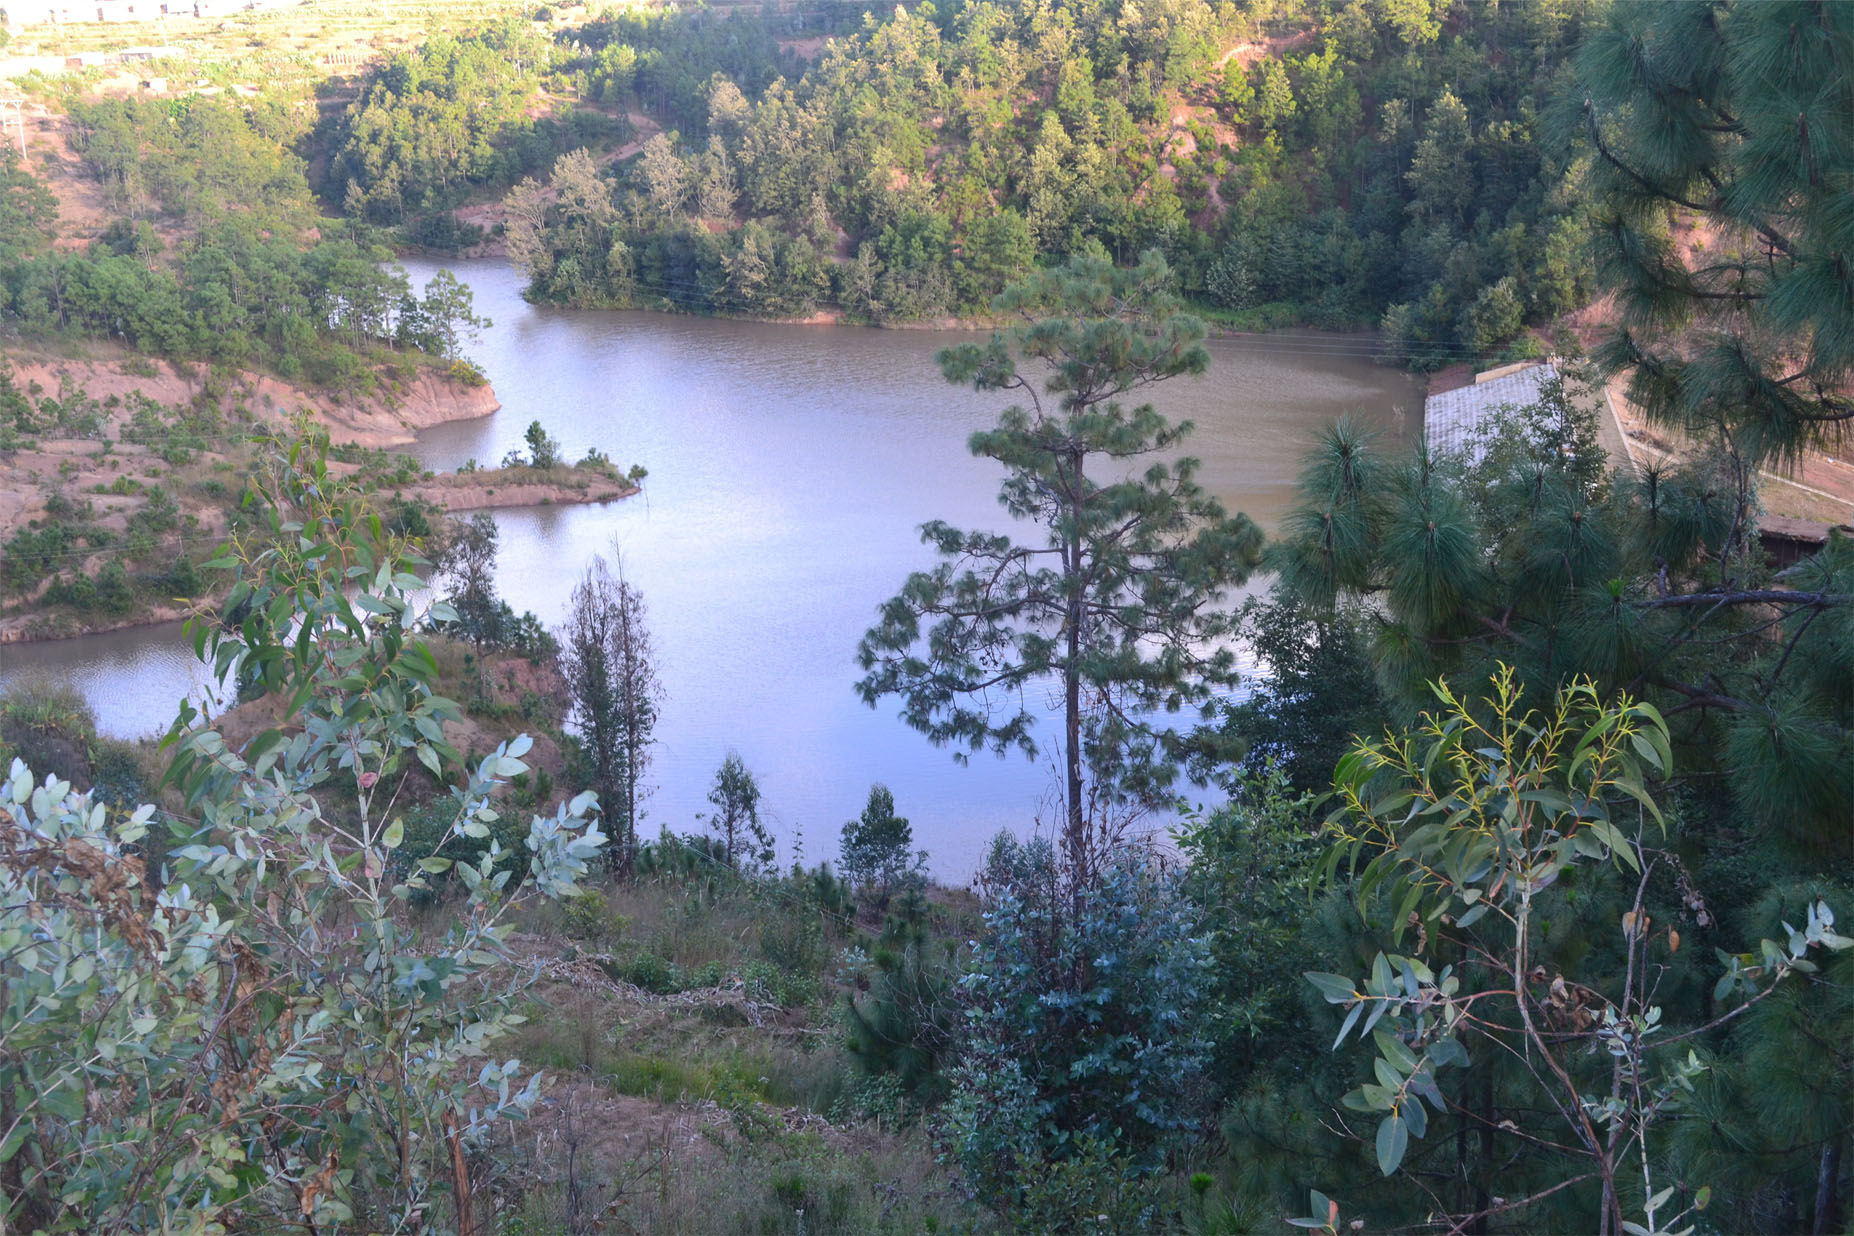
218,250
1317,162
457,114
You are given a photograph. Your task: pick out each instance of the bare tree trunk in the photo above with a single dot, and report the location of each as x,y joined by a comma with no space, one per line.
460,1176
1827,1186
1071,683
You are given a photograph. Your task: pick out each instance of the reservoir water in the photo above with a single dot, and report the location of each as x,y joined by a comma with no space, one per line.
790,469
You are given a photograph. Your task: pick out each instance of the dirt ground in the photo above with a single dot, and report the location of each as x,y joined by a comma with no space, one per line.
1819,488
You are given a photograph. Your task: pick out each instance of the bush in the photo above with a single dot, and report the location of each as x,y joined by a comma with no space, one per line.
49,725
586,915
905,1027
429,834
1085,1009
332,1030
114,595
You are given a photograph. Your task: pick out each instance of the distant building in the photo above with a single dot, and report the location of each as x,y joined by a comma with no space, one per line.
1451,420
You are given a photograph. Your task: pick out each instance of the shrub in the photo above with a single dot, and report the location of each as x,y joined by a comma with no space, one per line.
1085,1009
49,725
114,593
905,1027
345,1047
429,835
586,915
543,450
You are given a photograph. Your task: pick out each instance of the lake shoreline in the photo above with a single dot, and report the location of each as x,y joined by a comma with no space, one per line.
43,626
393,416
97,485
790,471
835,318
452,493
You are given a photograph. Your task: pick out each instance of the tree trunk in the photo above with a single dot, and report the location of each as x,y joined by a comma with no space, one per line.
1827,1185
1482,1195
1071,682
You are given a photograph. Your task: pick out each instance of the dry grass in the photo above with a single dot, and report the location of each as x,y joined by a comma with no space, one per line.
704,1108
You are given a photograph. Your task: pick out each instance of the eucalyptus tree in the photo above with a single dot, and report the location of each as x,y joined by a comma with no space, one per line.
255,1037
1113,601
1463,840
467,567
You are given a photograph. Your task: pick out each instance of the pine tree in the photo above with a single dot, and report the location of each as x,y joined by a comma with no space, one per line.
1734,121
736,797
1116,603
876,849
1651,584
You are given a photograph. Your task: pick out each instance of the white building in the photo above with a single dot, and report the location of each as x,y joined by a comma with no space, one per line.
1451,420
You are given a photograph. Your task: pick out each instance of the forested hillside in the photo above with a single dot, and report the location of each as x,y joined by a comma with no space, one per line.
1375,163
216,249
1311,162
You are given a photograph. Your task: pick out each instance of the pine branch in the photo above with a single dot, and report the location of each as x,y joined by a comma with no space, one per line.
1751,596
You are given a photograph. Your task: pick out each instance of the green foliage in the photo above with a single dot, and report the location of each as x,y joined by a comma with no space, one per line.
1730,117
1114,601
429,834
259,277
451,116
1316,691
270,1042
607,659
443,320
48,725
1249,866
467,566
875,850
905,1028
32,554
28,211
1096,1187
1521,549
200,160
543,450
1084,1025
1368,168
1467,835
745,843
